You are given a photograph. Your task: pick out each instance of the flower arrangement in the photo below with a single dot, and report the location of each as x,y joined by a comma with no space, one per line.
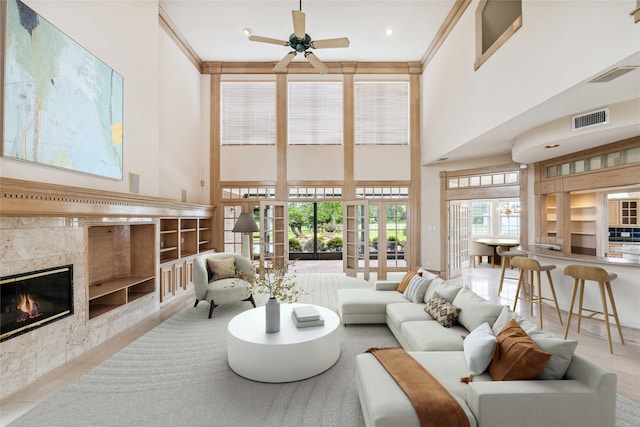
278,281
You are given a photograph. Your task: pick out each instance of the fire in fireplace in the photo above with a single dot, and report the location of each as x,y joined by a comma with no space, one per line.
31,300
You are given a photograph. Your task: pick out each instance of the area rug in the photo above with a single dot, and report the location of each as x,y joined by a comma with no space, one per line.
177,375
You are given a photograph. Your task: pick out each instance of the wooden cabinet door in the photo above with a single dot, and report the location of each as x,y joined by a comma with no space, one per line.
613,213
188,273
178,277
166,282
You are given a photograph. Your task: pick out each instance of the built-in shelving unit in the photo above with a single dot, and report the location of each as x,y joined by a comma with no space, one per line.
583,223
181,239
552,219
120,265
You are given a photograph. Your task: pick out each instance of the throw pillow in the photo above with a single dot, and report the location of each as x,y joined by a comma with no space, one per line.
442,310
222,268
478,348
446,290
561,354
404,282
416,289
475,310
516,357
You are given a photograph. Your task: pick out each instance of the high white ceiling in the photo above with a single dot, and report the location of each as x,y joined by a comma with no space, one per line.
213,29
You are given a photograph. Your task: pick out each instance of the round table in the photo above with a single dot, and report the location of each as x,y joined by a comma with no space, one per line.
292,354
495,242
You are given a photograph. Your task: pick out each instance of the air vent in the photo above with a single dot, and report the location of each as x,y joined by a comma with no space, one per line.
613,74
594,118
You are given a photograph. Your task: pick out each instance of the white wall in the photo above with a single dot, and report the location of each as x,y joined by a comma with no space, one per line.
123,34
182,163
560,44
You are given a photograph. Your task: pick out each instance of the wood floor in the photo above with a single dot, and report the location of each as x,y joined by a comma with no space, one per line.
483,280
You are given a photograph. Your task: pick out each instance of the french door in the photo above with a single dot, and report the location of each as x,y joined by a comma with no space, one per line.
274,233
459,232
355,247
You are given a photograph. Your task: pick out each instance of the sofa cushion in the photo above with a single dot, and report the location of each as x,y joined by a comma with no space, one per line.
446,290
365,301
561,354
478,348
516,357
416,289
428,335
222,268
475,310
561,350
442,310
397,314
404,282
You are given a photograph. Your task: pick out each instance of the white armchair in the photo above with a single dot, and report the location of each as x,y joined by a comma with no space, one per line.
480,249
219,289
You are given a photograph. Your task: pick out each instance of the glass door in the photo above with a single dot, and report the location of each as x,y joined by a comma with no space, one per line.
459,232
274,233
356,238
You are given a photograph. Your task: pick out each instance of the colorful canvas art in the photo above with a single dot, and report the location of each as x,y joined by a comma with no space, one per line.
63,107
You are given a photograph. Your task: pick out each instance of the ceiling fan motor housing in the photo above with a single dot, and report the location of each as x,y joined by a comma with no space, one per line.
300,45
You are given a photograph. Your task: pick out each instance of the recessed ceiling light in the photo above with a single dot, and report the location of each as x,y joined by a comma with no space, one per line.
246,31
552,146
388,31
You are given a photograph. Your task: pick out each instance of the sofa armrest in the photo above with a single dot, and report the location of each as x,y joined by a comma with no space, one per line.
386,285
540,402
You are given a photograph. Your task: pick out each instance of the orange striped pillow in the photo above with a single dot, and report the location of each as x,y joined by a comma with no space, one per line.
404,282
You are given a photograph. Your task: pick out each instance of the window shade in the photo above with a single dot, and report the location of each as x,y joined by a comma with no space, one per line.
315,113
248,113
382,113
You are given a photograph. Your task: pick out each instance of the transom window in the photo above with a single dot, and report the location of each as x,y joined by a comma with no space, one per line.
382,192
248,193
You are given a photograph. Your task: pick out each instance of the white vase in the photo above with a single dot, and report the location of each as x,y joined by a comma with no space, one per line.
272,315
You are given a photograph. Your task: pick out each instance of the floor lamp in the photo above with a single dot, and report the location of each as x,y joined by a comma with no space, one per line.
245,225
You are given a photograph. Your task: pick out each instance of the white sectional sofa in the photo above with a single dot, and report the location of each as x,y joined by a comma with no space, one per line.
570,391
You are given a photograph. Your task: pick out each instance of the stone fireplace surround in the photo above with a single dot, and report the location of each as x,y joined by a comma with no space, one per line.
44,225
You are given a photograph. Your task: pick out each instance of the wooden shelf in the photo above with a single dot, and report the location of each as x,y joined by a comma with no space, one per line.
124,250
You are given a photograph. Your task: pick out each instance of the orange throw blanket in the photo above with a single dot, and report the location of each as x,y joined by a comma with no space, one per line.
433,403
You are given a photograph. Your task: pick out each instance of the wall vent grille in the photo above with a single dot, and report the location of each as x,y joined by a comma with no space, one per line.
594,118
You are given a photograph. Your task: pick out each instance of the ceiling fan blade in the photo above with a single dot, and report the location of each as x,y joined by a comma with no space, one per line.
298,23
322,44
282,65
268,40
317,64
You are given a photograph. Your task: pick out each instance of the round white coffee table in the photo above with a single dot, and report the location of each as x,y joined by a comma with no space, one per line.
291,354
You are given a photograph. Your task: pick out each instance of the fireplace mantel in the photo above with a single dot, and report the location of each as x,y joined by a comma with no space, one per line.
31,198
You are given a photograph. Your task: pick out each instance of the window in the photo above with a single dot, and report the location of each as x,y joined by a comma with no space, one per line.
248,113
315,113
382,113
509,218
480,218
496,22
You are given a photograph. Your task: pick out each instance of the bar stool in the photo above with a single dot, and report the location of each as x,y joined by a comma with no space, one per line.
531,265
580,273
505,258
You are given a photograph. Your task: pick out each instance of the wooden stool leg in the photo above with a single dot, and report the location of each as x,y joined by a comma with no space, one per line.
531,294
580,304
615,311
571,302
503,266
553,292
520,280
539,299
606,314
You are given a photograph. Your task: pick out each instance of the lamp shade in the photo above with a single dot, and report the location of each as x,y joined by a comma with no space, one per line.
245,224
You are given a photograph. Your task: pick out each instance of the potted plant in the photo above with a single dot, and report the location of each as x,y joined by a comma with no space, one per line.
279,282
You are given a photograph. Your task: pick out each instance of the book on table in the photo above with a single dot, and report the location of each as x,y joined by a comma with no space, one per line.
305,313
306,323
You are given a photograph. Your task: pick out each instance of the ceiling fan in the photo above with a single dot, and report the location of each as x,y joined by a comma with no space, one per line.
301,42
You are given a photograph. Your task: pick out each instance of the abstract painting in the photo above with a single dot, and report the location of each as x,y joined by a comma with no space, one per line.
63,107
